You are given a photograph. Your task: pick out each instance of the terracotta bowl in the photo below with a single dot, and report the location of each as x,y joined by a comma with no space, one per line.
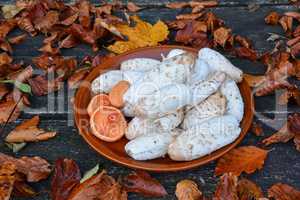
115,151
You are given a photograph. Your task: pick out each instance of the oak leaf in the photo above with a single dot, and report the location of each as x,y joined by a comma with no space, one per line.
242,159
188,190
7,180
282,191
66,177
142,35
29,132
141,182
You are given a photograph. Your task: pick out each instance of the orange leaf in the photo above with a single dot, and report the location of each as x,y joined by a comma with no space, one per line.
227,188
246,189
246,158
282,191
7,179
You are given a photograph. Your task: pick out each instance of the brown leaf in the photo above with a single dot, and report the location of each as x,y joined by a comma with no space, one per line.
48,49
100,186
289,94
222,35
69,15
296,32
283,135
208,3
5,46
256,129
272,18
6,26
282,191
10,10
270,86
287,24
190,16
76,78
3,90
22,75
194,34
227,188
25,24
44,24
213,22
293,41
246,158
69,42
6,108
247,190
105,9
21,188
292,14
41,86
294,123
244,52
35,168
188,190
84,13
29,132
5,59
295,49
17,39
66,177
254,80
132,7
197,9
244,42
177,5
7,179
141,182
297,141
79,32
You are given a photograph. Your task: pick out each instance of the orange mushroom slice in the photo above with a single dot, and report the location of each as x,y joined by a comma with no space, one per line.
108,123
117,92
98,101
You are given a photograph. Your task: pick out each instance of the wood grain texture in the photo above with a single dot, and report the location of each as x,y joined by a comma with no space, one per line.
282,164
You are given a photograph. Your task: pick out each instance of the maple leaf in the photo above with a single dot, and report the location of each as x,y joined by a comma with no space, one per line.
142,35
246,158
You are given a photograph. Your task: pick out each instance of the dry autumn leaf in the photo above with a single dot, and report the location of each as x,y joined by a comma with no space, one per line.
99,186
188,190
256,129
9,111
35,168
21,188
272,18
227,188
141,182
75,79
142,35
289,94
7,180
242,159
177,5
221,36
17,39
41,86
29,132
132,7
282,191
247,190
66,177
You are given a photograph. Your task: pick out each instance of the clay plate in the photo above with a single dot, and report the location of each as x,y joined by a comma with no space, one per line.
115,151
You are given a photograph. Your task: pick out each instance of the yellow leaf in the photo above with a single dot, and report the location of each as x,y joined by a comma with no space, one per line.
141,35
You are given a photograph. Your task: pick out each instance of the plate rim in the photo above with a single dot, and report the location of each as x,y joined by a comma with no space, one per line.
189,164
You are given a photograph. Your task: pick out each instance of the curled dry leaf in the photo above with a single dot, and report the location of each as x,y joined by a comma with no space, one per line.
190,16
21,188
208,3
272,18
142,35
34,168
177,5
294,15
45,23
227,188
6,26
9,111
82,34
29,132
254,80
270,86
244,42
66,177
141,182
287,24
188,190
289,94
242,159
132,7
25,24
197,9
7,180
41,86
105,9
69,42
84,13
213,22
5,46
282,191
5,59
76,78
48,49
17,39
256,129
247,190
100,186
247,53
221,36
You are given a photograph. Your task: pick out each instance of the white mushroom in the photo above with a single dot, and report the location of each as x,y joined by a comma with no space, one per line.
139,64
214,105
200,72
149,147
174,52
204,139
218,62
106,81
235,104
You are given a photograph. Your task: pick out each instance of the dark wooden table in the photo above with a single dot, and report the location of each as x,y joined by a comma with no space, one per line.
282,164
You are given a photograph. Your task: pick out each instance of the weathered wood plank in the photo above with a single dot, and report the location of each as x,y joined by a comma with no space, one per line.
282,164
